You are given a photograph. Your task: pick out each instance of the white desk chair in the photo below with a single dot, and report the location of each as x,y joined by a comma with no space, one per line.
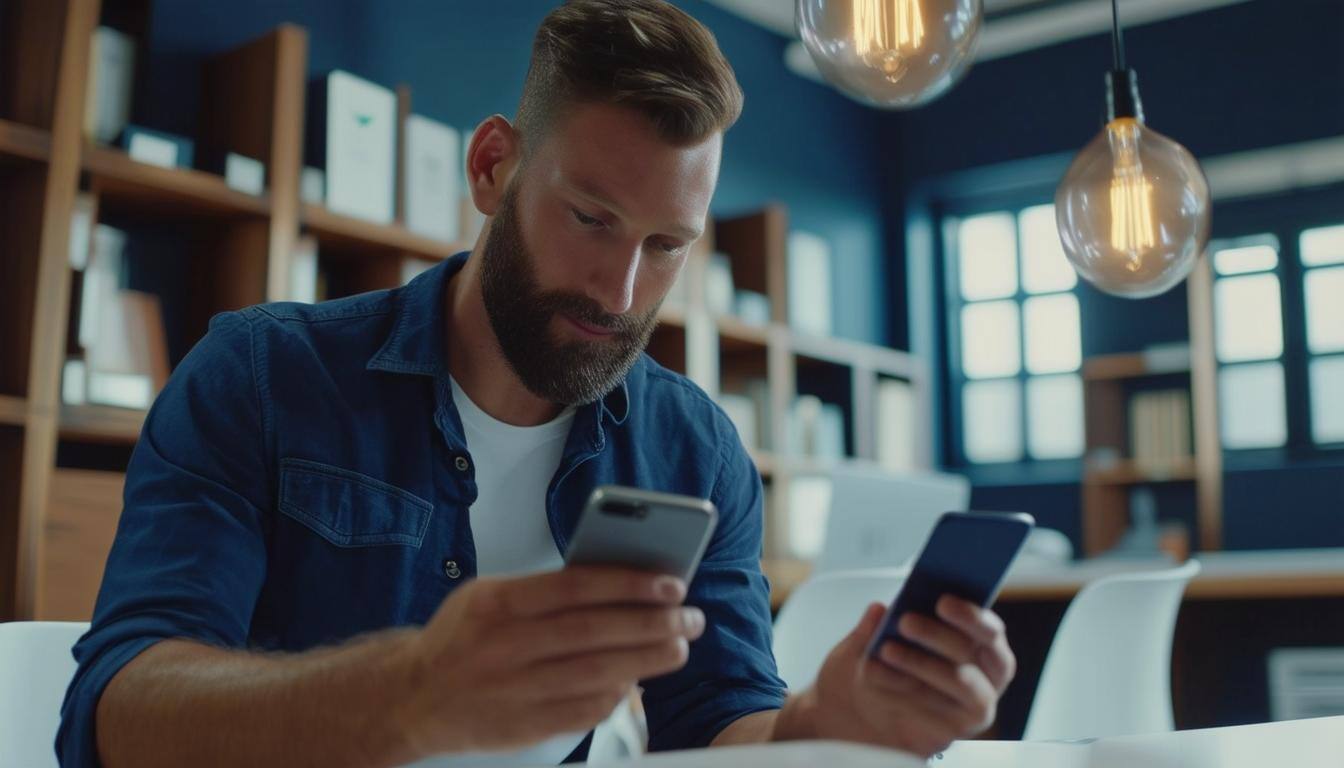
1108,672
820,612
35,669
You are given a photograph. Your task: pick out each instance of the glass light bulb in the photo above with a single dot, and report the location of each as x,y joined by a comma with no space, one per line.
890,53
1133,211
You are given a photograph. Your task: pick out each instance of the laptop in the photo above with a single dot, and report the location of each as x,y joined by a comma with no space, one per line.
880,519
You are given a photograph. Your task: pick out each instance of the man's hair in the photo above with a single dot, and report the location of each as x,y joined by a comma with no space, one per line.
647,55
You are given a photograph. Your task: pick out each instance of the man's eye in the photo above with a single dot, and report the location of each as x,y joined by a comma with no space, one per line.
585,219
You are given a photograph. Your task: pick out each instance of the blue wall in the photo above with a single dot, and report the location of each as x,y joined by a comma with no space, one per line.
1237,78
797,142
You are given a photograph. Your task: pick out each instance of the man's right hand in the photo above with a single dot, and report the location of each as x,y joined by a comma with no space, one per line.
506,663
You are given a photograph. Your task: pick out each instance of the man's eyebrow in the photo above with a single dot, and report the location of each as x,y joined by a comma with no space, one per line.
596,195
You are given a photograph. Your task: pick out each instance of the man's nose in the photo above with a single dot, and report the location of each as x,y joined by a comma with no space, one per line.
611,279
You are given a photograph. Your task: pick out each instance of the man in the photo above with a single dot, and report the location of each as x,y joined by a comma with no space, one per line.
343,527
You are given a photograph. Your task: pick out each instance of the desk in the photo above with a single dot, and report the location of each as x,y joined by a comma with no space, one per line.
1292,573
1315,743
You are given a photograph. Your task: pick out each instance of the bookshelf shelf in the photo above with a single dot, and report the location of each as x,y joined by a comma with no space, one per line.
24,142
12,410
123,181
344,233
101,424
735,335
1123,366
1132,473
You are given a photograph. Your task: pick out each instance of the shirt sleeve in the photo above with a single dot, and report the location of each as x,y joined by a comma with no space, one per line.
731,671
189,556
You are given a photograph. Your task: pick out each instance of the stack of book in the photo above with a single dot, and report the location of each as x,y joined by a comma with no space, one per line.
1159,431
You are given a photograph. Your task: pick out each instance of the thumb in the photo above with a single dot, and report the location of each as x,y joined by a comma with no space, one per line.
857,639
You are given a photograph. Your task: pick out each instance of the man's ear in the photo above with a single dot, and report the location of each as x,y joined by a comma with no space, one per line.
492,157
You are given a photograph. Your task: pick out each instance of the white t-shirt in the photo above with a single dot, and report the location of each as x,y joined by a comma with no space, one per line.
514,467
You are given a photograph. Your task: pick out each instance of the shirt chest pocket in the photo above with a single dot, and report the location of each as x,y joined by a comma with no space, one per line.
349,509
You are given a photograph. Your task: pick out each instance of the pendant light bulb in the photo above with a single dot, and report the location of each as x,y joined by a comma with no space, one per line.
890,53
1133,209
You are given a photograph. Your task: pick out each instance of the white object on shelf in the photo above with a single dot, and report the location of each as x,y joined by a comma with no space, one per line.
809,500
244,173
123,390
152,150
1167,358
102,278
1306,682
809,279
752,308
360,145
719,285
303,270
431,178
312,185
804,419
81,230
829,442
702,352
74,382
895,409
107,103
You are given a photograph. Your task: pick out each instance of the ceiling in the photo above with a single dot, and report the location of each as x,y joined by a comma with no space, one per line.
1011,26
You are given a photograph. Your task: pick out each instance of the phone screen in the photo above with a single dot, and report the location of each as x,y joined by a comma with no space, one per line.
967,555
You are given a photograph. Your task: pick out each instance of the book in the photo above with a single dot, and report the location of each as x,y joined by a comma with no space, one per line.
895,416
430,178
107,100
809,283
352,138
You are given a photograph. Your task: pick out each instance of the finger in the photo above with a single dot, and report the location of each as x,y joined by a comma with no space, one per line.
911,691
939,637
856,642
964,683
984,626
998,662
596,629
579,586
593,672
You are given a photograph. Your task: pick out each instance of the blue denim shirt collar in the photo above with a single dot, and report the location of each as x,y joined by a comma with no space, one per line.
417,342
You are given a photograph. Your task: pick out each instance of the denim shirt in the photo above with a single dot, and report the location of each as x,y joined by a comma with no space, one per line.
304,478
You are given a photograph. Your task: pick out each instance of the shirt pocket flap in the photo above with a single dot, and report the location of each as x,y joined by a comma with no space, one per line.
350,509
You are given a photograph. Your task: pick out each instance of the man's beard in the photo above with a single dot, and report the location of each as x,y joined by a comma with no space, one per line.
521,315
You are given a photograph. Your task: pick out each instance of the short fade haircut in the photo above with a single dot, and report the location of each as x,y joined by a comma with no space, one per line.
647,55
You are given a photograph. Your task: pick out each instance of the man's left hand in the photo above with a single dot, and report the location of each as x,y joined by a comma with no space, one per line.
920,697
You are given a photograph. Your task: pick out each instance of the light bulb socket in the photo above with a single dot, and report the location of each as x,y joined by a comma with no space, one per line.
1122,95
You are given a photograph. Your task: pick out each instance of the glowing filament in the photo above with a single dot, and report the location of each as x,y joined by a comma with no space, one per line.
1132,230
886,32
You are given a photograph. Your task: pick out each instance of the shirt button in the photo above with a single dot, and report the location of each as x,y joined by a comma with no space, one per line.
451,570
461,463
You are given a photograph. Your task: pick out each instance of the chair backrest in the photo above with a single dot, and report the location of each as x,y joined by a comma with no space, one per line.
1108,672
35,669
880,519
820,612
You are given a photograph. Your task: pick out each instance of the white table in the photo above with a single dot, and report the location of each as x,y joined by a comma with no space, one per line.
1317,743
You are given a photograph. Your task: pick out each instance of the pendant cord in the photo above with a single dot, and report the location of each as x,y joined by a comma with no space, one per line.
1117,37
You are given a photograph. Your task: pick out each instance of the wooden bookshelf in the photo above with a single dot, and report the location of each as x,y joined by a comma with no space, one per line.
121,181
101,424
24,142
1109,381
12,410
252,102
344,233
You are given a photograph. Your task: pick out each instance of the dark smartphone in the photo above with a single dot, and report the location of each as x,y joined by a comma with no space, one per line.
650,531
967,555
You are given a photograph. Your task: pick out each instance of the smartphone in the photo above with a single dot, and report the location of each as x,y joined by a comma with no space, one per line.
967,555
650,531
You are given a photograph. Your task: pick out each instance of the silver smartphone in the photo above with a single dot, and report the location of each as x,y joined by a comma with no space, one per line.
646,530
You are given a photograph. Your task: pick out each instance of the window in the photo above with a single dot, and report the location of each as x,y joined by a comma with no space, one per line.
1322,255
1248,343
1020,341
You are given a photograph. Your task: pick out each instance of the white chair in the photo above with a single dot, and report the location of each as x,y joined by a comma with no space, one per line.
820,612
1108,672
35,669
